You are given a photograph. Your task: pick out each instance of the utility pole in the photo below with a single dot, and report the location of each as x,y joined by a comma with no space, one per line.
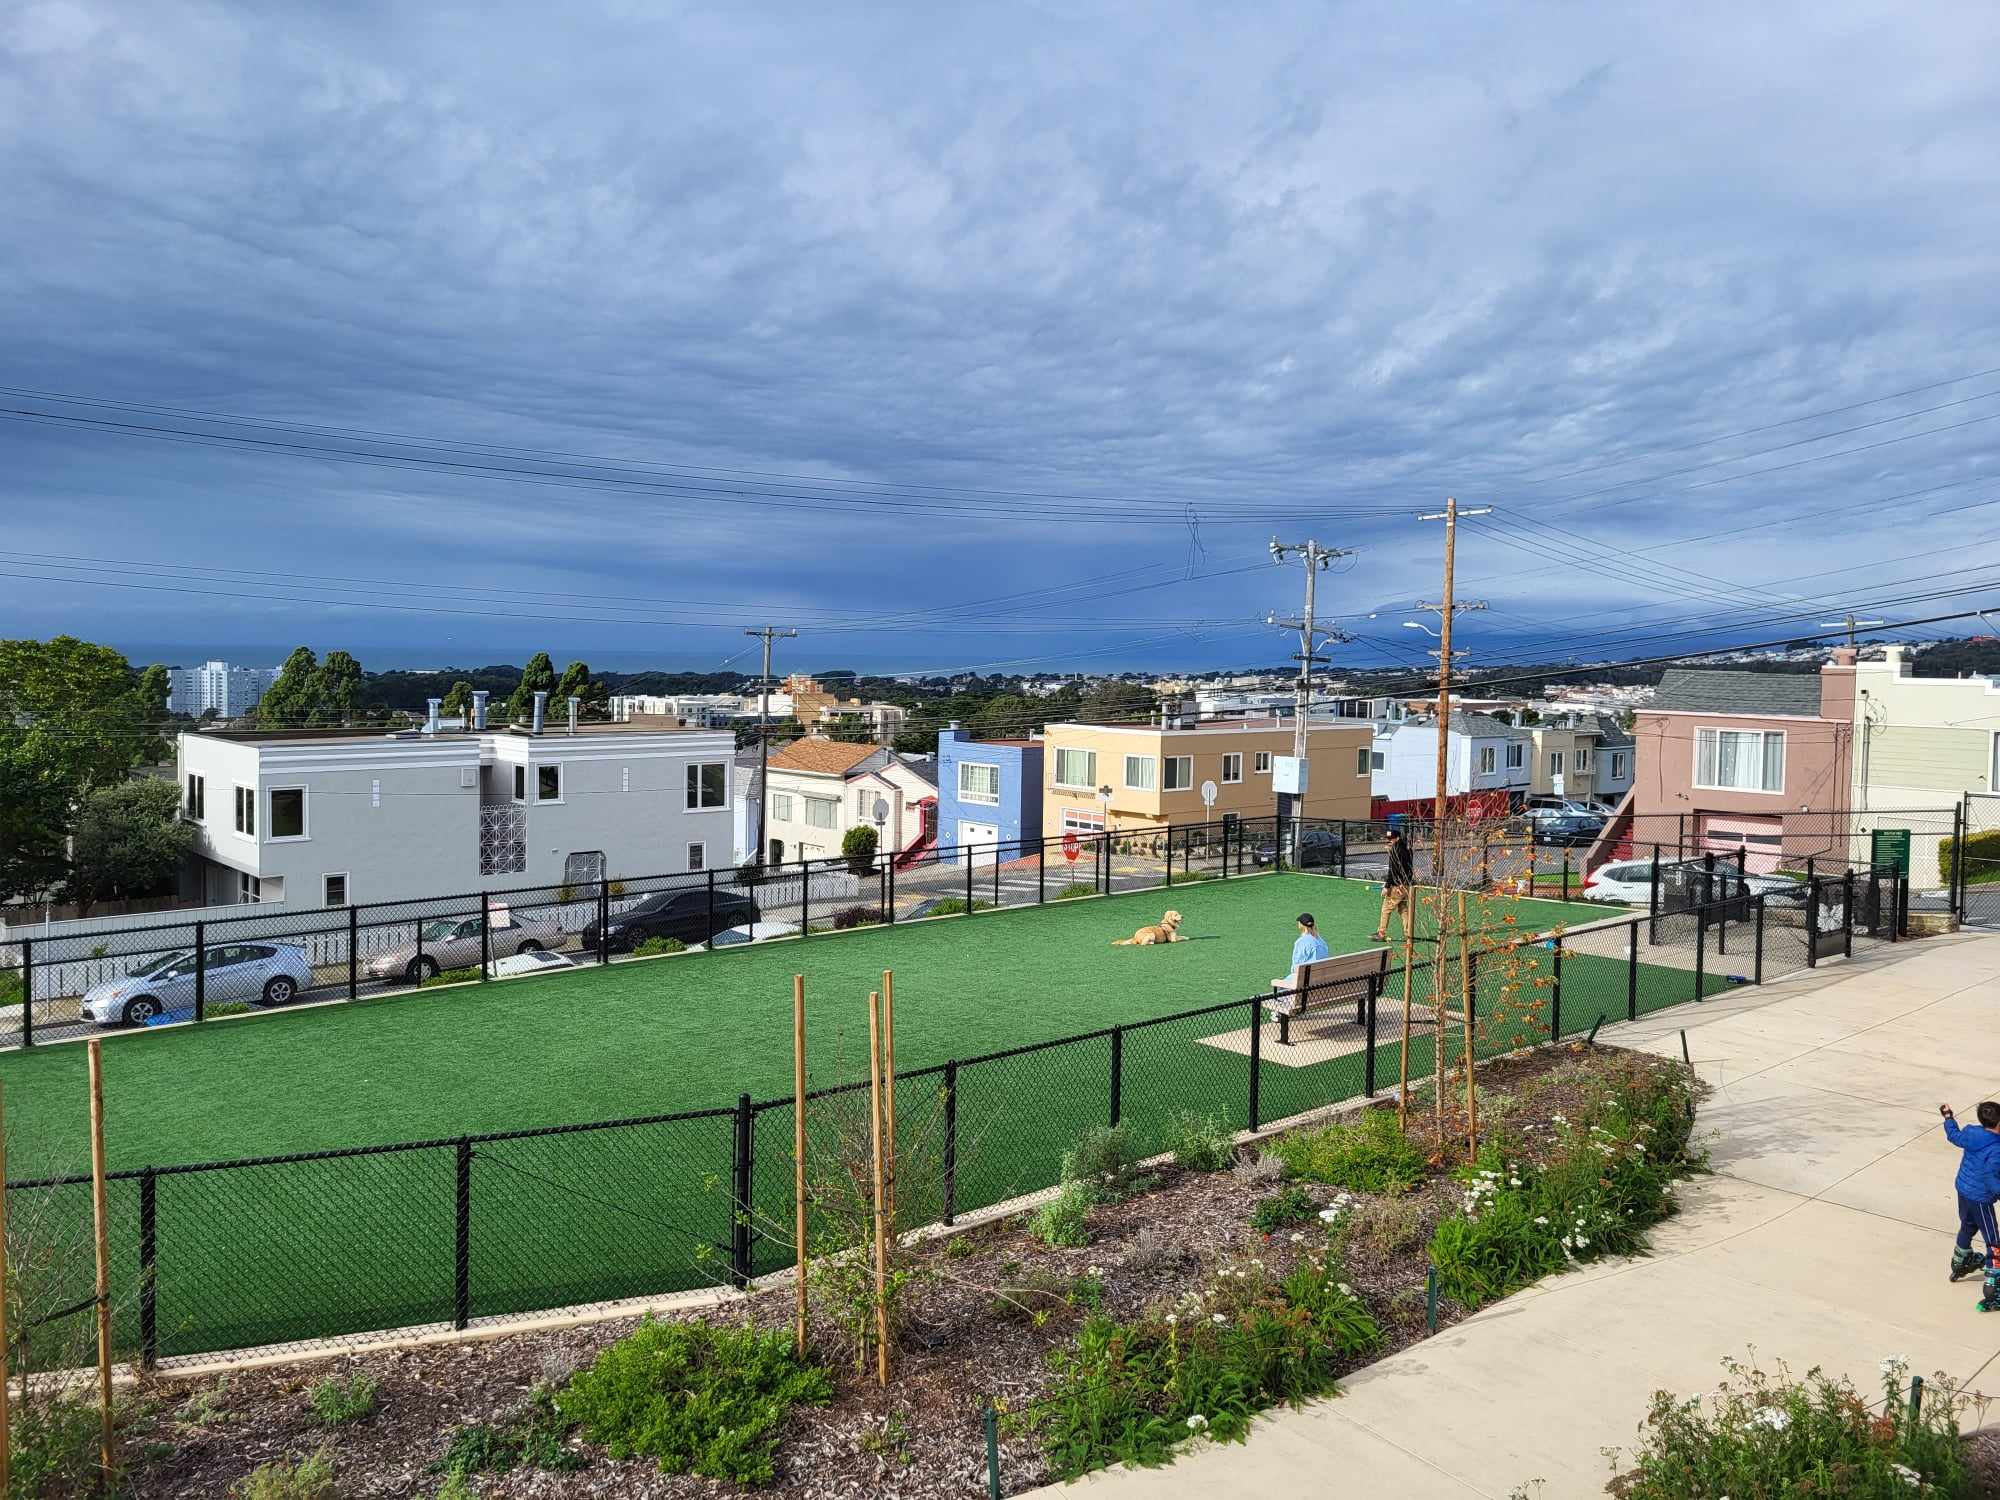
1445,609
769,633
1851,625
1316,558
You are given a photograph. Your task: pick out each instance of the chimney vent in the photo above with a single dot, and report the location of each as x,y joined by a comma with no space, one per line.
431,718
1843,656
541,712
479,708
574,703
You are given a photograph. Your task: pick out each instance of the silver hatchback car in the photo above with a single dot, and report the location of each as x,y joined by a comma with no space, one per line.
249,973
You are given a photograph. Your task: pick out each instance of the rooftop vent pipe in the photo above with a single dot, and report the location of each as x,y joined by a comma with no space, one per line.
479,708
574,703
541,710
431,718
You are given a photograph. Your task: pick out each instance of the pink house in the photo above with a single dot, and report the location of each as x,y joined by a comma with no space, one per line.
1750,761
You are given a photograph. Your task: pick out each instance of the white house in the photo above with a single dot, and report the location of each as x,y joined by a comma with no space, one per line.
816,789
325,817
1482,755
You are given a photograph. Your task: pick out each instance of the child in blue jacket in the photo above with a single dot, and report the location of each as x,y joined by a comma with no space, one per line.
1978,1185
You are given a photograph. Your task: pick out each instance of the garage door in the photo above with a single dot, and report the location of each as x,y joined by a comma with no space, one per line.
978,842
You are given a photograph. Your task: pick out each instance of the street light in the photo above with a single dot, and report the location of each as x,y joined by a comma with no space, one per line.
1419,625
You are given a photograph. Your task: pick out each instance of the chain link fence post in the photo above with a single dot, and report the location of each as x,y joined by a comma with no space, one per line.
1757,964
1256,1062
27,992
1847,914
739,1193
950,1140
353,950
149,1244
200,972
1117,1073
485,938
1632,971
461,1257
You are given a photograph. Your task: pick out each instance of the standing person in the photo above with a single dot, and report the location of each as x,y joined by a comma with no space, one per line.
1398,887
1978,1185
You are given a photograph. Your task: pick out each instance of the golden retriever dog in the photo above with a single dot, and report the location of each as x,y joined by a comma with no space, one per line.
1168,930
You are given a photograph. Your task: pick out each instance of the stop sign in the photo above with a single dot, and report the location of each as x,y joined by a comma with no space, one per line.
1072,846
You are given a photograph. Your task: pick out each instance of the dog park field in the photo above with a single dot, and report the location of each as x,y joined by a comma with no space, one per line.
292,1250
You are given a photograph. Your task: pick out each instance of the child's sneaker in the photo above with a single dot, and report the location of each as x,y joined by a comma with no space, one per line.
1964,1263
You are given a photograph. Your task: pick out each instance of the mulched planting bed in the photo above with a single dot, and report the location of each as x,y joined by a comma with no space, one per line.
960,1346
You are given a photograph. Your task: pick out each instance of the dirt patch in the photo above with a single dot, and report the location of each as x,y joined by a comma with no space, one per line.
978,1331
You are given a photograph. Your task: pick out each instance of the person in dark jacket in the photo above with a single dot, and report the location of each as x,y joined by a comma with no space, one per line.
1978,1184
1398,886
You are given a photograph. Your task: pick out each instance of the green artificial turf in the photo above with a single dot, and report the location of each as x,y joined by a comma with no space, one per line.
261,1253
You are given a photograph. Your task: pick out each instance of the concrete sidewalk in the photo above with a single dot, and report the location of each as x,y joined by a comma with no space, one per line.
1822,1238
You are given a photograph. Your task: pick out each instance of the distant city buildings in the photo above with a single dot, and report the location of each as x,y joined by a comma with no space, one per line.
230,691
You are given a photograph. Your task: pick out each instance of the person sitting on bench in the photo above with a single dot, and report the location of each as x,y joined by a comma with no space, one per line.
1310,948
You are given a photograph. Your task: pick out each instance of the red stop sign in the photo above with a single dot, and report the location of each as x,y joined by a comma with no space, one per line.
1072,847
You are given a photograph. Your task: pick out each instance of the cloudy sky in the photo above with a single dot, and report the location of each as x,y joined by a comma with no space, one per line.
958,337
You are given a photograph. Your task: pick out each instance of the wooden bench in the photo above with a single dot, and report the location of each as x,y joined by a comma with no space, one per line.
1330,981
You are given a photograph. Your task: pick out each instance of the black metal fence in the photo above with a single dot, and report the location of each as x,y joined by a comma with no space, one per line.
221,1255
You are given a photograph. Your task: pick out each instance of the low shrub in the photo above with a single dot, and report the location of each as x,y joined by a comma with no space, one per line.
1369,1156
227,1008
11,988
1201,1143
54,1447
1105,1159
1032,1296
653,947
1195,877
1287,1206
698,1399
1982,857
1074,889
954,906
1385,1226
1064,1219
531,1437
453,976
1772,1435
855,916
335,1401
311,1478
1133,1392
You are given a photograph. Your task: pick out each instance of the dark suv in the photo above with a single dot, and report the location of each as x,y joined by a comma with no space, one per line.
686,915
1313,848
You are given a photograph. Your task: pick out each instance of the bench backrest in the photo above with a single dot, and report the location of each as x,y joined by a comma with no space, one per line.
1346,966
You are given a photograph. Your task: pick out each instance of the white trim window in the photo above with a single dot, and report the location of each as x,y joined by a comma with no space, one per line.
333,888
697,857
1141,773
1580,761
197,796
1364,760
1082,820
1739,760
248,887
1488,760
822,812
1517,756
1076,769
707,785
246,815
781,807
979,781
1617,765
549,782
287,820
1180,773
1555,762
1261,763
1232,767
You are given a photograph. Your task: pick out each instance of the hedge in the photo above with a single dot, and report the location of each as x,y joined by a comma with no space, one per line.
1984,852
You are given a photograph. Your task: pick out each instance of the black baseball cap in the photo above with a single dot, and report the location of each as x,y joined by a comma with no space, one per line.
1305,919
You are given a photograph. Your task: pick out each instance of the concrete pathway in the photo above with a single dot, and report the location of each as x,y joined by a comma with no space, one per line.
1822,1238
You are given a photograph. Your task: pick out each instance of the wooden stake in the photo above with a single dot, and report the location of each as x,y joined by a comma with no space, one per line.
798,1151
875,1137
1409,960
889,1096
6,1349
1465,1007
98,1213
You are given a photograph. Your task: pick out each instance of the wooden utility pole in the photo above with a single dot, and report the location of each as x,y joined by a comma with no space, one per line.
102,1220
769,633
798,1153
1441,1008
1311,638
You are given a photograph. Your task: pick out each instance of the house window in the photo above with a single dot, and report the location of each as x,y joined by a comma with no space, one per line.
1488,760
822,812
1081,820
1077,768
1740,760
864,803
1555,762
548,783
288,812
197,797
1232,768
781,806
1617,765
1517,756
1363,761
249,888
978,783
584,867
1261,764
1581,759
1377,761
246,813
1140,773
697,856
1180,773
708,785
334,888
520,783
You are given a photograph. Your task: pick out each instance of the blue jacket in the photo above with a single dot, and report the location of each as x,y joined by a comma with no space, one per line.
1979,1171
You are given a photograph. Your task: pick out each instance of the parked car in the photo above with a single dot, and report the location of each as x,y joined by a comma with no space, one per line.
1551,826
1631,881
1572,805
1313,847
684,914
753,932
453,943
252,973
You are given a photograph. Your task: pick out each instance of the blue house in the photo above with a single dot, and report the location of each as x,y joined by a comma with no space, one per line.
989,797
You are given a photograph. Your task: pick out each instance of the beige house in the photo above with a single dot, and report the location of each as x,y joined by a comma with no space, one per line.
816,789
1133,776
1587,759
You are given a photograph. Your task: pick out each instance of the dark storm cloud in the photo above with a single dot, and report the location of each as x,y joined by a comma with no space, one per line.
1304,256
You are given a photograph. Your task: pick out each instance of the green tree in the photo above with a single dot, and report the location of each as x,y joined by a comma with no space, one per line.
857,847
578,683
1114,702
336,691
130,841
151,693
459,699
1005,717
539,676
288,702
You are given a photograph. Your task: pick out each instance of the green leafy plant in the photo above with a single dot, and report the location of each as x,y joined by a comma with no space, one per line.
857,847
455,1487
530,1437
1287,1206
855,916
1073,890
1105,1159
54,1447
1064,1219
446,976
1034,1295
954,906
1771,1434
335,1401
565,893
1369,1155
696,1398
1981,852
310,1478
1201,1143
654,946
1384,1226
227,1008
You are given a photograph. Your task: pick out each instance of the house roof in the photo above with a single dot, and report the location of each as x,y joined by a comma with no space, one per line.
925,766
1690,690
1608,732
1478,726
823,756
